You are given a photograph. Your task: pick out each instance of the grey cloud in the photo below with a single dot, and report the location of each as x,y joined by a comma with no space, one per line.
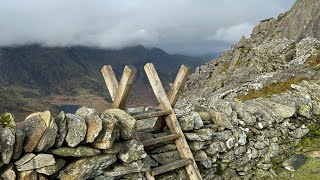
177,26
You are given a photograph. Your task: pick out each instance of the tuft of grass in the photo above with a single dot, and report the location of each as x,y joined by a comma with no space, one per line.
224,68
6,120
272,88
313,60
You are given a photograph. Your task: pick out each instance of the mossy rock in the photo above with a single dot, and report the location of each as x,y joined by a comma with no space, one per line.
7,120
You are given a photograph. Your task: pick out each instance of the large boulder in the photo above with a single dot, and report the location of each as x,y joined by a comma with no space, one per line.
132,151
49,135
127,122
33,127
62,129
77,129
109,133
94,123
87,168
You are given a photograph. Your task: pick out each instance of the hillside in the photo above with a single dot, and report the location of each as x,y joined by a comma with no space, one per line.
33,77
263,97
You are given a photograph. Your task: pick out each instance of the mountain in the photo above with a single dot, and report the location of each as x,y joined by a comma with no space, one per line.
33,76
261,101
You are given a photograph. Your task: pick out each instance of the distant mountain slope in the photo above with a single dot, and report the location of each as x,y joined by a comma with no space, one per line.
58,73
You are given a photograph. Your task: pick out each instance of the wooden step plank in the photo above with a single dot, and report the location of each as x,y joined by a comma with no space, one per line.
125,84
152,114
171,120
110,80
170,166
158,140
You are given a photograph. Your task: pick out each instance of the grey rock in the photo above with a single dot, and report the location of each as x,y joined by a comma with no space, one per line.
77,129
213,148
102,177
305,110
166,157
274,150
7,140
39,161
80,151
200,156
221,120
18,146
205,116
242,140
132,151
33,128
196,145
199,135
41,177
94,123
127,168
49,135
127,122
86,168
50,170
149,160
230,174
166,148
186,122
108,134
300,132
62,129
27,157
222,135
115,149
8,173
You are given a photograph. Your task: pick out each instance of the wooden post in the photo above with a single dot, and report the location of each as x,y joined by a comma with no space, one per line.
171,121
178,84
110,79
125,84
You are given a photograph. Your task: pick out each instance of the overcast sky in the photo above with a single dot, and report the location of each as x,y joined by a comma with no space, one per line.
192,27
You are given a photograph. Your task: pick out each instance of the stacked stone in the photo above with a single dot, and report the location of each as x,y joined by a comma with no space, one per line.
250,139
83,145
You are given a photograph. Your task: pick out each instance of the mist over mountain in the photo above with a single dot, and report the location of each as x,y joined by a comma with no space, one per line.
37,72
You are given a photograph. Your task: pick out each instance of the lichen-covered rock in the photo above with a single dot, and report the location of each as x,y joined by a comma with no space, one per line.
132,151
39,161
27,175
7,140
108,134
87,168
49,135
199,135
77,129
221,120
8,172
24,159
50,170
80,151
127,168
33,128
166,157
18,145
301,131
94,123
62,129
127,122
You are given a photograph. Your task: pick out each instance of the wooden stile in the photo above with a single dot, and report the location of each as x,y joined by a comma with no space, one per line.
119,94
172,123
123,90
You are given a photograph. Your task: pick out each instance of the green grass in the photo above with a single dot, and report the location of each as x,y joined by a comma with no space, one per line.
272,88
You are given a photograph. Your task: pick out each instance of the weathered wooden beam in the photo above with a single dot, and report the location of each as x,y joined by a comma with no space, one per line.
178,84
173,125
110,80
152,114
169,167
158,140
123,90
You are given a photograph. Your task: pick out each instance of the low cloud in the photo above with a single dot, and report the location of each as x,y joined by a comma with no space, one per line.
177,26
